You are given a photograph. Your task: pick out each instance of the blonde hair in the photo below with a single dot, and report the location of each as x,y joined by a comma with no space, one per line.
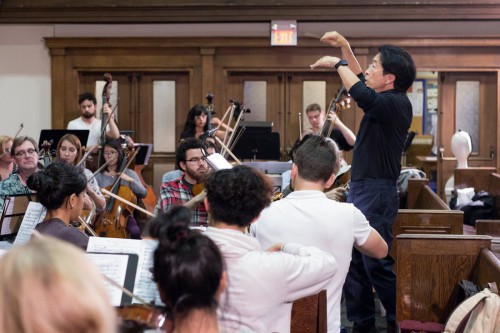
3,141
49,286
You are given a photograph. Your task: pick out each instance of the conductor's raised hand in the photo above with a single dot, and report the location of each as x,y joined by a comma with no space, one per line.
333,38
325,62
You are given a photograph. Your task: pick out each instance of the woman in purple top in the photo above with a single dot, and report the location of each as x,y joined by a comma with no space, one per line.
61,189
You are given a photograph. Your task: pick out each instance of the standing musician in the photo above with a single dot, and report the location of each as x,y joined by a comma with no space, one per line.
190,159
376,165
88,120
50,286
6,160
341,134
25,154
61,189
69,149
114,156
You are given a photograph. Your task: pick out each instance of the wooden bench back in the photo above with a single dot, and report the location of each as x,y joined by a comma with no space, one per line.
309,314
429,269
421,196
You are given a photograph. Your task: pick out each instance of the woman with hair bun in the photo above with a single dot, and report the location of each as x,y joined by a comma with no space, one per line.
189,271
61,189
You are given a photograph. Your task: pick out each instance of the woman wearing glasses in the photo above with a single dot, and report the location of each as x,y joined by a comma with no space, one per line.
114,156
6,160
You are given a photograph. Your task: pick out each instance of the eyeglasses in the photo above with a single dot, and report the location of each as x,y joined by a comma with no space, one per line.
23,153
110,153
197,160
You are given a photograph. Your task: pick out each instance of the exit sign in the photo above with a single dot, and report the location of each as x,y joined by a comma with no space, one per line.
283,33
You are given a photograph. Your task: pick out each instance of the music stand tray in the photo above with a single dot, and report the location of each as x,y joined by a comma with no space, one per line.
56,134
15,206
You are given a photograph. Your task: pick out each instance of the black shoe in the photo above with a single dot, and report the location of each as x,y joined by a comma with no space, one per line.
365,328
391,326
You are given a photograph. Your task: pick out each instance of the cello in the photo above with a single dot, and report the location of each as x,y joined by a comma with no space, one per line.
113,220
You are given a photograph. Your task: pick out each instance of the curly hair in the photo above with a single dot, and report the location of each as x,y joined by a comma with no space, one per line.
184,146
237,196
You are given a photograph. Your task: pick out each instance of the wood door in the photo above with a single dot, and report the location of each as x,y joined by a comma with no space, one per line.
467,101
281,98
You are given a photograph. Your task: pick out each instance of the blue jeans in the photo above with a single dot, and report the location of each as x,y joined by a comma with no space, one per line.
379,201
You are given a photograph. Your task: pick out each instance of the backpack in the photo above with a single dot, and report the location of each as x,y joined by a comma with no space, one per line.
479,313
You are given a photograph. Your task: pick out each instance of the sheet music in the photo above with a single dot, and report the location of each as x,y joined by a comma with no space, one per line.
34,215
144,285
114,267
9,208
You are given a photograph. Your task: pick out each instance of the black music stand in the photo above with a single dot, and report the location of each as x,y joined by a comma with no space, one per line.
257,142
142,157
56,134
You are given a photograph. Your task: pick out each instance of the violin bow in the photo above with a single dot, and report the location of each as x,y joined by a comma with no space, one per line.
111,194
19,130
87,227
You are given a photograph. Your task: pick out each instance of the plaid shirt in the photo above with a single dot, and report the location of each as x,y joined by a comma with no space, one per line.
176,192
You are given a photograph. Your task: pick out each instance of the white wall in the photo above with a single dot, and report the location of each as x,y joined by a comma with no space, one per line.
25,88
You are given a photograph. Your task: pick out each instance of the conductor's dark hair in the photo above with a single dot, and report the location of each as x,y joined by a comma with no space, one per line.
87,96
188,266
237,196
184,146
190,125
317,159
57,182
399,62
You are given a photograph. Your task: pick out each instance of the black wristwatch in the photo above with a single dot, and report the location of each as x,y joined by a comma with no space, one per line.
342,62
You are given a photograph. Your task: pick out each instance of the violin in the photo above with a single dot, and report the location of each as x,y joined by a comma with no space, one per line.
137,317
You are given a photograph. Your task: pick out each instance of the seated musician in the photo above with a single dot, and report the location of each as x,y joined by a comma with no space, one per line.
50,286
308,217
259,282
197,125
88,120
61,189
25,154
6,160
114,156
190,159
69,149
341,134
189,271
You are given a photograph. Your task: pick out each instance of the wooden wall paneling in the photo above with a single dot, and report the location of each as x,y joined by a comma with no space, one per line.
58,93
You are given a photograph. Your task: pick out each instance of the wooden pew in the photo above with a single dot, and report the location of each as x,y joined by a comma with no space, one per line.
488,227
309,314
427,213
430,267
481,178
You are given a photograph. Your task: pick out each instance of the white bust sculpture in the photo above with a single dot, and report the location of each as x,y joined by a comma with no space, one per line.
461,147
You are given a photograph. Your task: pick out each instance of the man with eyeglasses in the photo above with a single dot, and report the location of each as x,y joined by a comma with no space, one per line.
191,161
25,153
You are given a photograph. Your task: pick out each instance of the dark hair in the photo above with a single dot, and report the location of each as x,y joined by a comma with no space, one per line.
184,146
190,126
87,96
399,62
19,140
73,139
238,195
297,144
116,144
188,266
317,159
57,182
